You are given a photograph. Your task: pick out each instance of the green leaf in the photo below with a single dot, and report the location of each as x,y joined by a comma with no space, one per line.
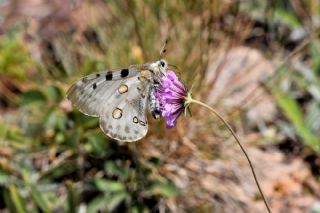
118,170
73,137
10,132
3,178
115,200
292,111
73,200
62,170
50,119
32,97
286,17
109,185
167,189
315,52
40,199
17,199
8,202
54,94
85,121
97,144
107,203
15,59
97,205
312,117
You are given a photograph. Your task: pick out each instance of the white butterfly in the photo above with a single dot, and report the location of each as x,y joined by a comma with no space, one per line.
120,98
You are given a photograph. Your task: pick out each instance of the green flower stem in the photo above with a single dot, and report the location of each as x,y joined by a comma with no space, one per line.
189,100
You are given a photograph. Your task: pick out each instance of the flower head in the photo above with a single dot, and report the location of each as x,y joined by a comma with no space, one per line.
170,95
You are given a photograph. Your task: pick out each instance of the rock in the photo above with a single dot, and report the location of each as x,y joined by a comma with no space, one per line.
234,78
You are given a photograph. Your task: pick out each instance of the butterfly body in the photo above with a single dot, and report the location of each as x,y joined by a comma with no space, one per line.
120,98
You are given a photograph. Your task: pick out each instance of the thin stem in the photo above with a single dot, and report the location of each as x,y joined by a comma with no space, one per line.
190,100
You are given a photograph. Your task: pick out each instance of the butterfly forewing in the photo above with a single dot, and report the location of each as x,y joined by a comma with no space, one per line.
91,91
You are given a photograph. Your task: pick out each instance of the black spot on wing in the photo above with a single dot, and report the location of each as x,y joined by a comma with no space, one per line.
98,75
109,76
94,86
124,73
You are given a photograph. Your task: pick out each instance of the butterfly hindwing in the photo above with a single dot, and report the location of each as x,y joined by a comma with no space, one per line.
124,118
90,92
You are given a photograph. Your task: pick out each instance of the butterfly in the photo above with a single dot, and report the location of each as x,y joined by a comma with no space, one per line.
120,98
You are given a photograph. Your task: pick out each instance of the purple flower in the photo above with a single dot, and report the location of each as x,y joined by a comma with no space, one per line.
170,95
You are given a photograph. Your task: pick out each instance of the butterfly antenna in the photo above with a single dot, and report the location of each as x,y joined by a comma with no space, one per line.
163,49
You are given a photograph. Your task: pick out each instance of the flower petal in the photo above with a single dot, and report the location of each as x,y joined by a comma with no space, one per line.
170,95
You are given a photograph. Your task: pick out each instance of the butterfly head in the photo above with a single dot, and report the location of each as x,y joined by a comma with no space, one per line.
161,66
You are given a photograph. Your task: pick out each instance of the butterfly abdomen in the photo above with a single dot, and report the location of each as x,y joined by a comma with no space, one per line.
154,105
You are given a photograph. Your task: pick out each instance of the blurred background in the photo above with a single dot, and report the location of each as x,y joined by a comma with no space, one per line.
255,62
